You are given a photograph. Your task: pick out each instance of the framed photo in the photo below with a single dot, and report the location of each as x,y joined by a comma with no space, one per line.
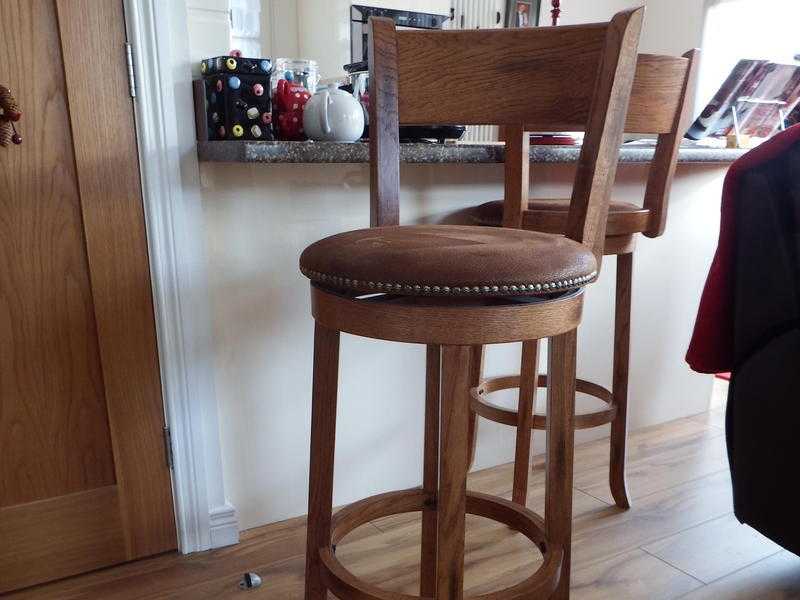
522,13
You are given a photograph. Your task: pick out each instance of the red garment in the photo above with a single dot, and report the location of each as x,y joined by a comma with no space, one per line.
711,348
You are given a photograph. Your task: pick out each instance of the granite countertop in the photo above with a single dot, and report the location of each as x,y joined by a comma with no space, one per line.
414,153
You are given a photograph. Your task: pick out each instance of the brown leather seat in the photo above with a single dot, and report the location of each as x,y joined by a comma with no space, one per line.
451,260
550,215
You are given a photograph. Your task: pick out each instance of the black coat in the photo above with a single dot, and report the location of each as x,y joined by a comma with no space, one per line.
763,415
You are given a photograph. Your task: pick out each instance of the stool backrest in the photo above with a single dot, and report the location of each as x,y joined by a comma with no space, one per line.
574,78
661,103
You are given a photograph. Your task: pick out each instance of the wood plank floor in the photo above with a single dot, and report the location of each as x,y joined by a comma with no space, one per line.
679,540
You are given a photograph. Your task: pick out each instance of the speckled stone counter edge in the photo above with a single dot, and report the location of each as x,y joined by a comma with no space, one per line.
422,154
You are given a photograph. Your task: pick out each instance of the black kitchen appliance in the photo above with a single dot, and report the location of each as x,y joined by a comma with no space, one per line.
359,20
404,19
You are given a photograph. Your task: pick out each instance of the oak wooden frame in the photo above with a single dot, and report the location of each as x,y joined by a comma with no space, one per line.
661,103
443,498
456,331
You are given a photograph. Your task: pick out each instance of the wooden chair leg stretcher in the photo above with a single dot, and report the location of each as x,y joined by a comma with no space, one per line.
443,498
616,399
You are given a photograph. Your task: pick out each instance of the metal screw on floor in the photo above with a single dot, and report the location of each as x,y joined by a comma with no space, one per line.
250,580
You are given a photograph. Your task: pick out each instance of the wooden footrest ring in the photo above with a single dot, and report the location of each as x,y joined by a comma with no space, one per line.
343,584
506,416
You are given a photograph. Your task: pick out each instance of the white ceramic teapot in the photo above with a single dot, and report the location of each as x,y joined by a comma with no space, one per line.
333,115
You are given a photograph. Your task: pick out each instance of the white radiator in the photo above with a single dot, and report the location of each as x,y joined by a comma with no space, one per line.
478,14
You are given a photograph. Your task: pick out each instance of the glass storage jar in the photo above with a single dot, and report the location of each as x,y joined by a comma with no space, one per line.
297,70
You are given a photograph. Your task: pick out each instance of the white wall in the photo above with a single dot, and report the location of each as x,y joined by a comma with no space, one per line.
209,29
260,217
320,29
324,27
671,26
279,25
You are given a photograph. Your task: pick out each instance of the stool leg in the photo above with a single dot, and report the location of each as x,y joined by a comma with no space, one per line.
525,408
323,436
475,376
560,449
430,477
454,454
619,391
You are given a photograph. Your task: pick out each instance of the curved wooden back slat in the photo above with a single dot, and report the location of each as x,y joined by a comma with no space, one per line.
657,95
500,77
665,161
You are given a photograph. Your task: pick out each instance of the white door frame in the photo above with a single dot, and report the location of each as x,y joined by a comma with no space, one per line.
157,32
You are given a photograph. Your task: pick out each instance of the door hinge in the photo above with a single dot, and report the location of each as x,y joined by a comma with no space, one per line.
168,447
131,72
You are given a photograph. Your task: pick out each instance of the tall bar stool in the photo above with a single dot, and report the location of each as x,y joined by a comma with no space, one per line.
660,104
457,288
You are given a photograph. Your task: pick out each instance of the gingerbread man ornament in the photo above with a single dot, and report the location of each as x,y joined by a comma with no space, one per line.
9,114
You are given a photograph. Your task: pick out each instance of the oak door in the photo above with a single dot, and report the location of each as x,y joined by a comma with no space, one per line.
83,477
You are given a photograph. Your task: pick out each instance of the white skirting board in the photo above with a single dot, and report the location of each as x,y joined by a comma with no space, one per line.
224,526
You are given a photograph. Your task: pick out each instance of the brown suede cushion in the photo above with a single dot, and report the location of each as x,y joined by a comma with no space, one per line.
550,215
430,260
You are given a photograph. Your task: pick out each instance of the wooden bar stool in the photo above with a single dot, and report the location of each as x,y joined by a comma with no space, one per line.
458,288
663,91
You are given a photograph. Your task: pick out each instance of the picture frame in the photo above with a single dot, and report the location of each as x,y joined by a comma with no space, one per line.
522,13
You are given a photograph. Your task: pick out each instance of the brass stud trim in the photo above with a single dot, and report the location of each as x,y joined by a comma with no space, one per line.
418,289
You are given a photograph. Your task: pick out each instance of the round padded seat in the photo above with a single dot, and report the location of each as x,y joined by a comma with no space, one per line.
449,260
550,215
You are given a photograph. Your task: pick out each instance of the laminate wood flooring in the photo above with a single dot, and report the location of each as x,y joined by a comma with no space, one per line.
680,539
